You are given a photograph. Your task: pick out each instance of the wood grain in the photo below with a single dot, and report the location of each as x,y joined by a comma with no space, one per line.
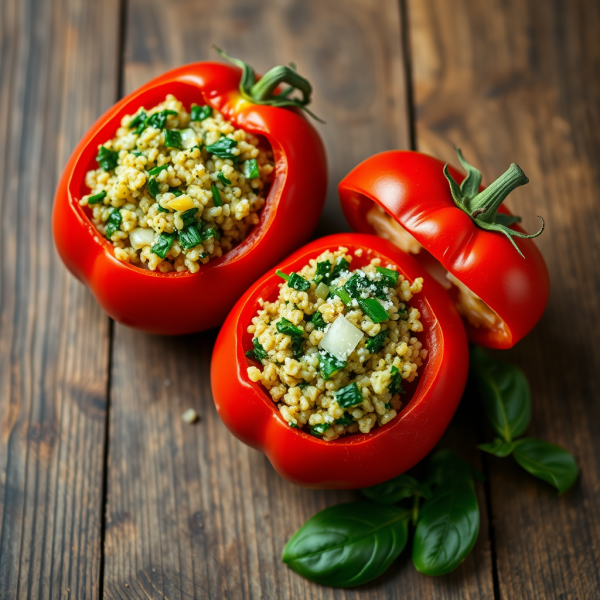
517,81
192,512
58,71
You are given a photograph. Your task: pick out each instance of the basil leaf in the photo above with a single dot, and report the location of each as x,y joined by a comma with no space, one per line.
286,326
498,448
157,170
389,276
159,119
172,138
348,544
323,270
504,390
343,296
320,428
199,113
223,148
163,244
258,352
548,462
107,158
345,420
137,120
161,209
209,232
396,489
176,192
340,266
395,386
113,223
318,321
251,169
448,522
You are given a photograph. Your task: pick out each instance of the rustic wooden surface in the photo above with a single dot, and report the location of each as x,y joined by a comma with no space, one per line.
104,491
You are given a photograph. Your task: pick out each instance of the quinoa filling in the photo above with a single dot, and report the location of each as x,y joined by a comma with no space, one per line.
174,189
337,345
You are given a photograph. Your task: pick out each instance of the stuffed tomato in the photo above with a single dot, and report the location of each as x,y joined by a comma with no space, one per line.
344,365
460,232
175,200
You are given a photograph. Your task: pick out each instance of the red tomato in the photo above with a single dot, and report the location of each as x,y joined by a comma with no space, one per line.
412,188
177,303
356,460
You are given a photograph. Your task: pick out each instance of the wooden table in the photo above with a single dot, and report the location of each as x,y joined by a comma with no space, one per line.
104,491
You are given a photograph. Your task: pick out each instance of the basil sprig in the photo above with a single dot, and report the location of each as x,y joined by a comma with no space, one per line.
506,399
392,491
348,544
448,523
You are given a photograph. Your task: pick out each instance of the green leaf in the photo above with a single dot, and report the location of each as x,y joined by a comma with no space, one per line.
172,138
97,198
189,237
498,448
373,309
137,120
318,321
396,489
395,386
153,187
163,244
158,120
342,294
548,462
189,217
319,428
216,195
221,177
349,396
340,266
348,544
323,271
223,148
107,158
199,113
113,223
375,344
504,391
157,170
288,328
251,169
390,277
297,282
448,522
329,365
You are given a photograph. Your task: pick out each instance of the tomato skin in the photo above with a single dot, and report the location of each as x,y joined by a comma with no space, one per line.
178,303
358,460
411,187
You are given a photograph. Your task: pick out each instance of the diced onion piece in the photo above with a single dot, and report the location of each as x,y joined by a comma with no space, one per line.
140,237
322,291
182,203
388,229
189,138
341,338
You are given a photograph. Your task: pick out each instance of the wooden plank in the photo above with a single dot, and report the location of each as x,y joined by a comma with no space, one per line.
193,513
516,81
57,73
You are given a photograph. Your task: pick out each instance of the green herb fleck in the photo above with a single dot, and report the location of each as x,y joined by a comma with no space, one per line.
320,428
97,198
209,232
373,309
199,113
161,209
345,420
389,276
189,237
163,244
323,270
153,187
287,327
293,425
157,170
318,321
223,148
298,282
251,169
107,158
172,138
221,177
189,216
216,195
137,120
395,386
343,296
375,344
340,266
303,384
329,365
258,352
113,223
176,192
159,119
349,396
137,153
